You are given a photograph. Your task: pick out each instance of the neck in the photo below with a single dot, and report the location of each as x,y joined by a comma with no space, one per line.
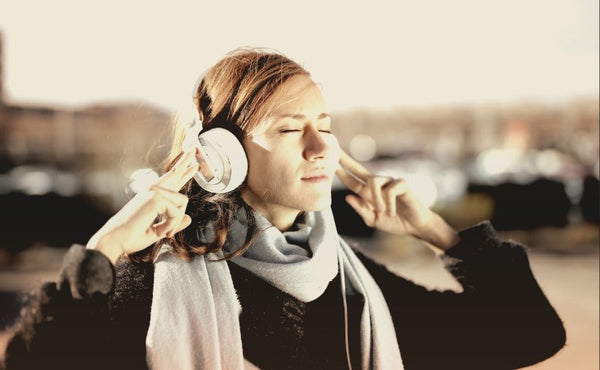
281,217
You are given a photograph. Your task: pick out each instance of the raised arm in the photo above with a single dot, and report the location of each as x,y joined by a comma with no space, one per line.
389,205
135,226
70,323
501,319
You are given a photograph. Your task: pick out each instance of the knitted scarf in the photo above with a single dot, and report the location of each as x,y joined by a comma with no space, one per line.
194,321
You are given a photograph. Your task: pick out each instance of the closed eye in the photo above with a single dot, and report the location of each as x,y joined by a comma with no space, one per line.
290,130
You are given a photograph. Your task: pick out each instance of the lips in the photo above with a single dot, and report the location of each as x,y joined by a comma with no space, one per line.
316,178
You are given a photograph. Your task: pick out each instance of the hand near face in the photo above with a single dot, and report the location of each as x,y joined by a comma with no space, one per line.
389,205
135,226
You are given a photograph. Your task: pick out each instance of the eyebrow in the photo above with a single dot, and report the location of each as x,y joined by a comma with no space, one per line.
300,116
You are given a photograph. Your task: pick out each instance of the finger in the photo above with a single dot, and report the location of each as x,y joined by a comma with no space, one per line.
172,206
185,161
184,167
364,210
162,230
178,199
185,222
391,191
187,175
375,184
176,180
350,181
353,166
172,217
204,165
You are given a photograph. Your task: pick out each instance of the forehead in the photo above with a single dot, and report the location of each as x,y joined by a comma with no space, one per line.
298,96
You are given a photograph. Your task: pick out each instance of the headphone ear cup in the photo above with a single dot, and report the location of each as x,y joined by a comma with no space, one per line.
224,165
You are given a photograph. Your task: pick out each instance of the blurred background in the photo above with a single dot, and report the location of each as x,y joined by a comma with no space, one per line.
489,109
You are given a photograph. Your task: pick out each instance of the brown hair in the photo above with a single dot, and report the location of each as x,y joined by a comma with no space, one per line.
236,90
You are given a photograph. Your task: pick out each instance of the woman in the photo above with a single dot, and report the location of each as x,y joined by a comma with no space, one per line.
183,278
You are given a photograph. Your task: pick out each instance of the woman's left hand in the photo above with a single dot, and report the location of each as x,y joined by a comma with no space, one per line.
389,205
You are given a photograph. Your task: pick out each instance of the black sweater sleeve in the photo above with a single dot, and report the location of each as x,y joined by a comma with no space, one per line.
501,320
66,323
87,319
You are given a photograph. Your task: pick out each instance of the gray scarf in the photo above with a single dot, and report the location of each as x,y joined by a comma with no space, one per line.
194,322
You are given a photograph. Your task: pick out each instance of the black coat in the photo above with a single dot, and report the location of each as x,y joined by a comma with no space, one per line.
97,315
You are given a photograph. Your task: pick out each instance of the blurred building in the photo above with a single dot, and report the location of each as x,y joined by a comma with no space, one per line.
107,139
454,133
90,151
63,170
524,165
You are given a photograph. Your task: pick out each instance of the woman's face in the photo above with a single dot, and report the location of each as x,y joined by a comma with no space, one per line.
292,155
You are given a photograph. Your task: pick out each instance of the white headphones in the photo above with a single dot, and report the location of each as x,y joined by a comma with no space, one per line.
224,165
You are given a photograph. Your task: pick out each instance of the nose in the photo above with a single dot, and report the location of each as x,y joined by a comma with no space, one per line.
316,146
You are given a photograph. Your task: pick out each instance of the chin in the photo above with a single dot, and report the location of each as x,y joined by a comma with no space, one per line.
318,204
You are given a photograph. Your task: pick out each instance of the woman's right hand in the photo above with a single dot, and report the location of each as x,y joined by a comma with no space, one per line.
134,227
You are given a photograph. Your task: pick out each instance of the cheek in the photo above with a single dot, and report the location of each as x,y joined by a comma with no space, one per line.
334,150
268,170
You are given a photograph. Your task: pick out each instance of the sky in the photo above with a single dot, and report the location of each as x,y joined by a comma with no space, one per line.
364,54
